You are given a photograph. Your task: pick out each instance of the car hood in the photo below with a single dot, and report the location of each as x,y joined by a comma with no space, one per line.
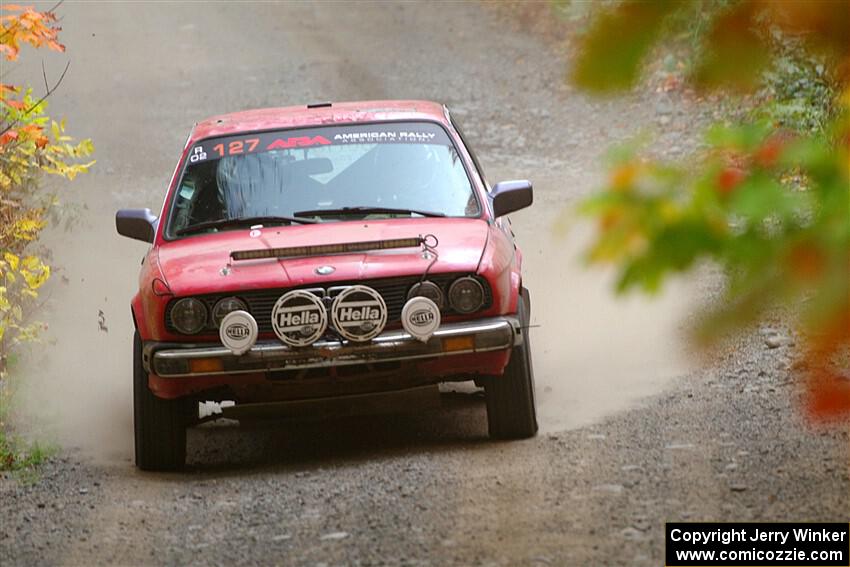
201,264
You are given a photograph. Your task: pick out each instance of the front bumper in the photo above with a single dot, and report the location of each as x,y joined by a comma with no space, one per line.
177,360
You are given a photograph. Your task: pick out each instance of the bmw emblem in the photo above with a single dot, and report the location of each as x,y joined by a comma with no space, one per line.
325,270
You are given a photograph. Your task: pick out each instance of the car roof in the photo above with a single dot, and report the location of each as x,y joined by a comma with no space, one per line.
321,114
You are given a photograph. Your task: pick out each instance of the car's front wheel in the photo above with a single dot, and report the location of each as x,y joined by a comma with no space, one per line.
511,408
160,425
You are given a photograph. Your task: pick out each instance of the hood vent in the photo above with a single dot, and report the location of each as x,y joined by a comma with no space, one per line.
326,249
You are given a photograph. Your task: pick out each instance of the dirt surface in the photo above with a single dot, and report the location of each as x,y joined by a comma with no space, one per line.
633,434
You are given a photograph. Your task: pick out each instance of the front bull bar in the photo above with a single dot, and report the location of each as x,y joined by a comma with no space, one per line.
174,360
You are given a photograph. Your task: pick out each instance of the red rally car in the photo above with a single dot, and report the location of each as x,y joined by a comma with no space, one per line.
325,254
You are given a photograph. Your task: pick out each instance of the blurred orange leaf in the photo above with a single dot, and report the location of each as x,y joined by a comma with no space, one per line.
617,43
734,54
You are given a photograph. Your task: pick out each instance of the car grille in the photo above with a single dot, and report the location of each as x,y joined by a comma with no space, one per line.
393,290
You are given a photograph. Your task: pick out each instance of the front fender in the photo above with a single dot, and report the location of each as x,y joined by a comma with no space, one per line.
501,265
148,305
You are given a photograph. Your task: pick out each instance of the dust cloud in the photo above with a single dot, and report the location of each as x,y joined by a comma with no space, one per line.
595,353
76,385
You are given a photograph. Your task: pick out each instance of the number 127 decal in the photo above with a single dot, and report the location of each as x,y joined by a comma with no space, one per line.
236,147
250,145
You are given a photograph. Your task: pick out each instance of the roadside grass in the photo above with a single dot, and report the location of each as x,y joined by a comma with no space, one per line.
16,454
19,456
798,95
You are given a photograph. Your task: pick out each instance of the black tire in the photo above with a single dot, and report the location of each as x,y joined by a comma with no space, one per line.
511,408
160,425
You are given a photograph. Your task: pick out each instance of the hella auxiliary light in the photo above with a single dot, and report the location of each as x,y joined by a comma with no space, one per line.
299,318
238,332
420,317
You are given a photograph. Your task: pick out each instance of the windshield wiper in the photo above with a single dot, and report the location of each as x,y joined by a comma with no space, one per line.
223,223
366,211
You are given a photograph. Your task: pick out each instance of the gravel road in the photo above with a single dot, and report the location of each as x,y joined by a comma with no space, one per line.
634,434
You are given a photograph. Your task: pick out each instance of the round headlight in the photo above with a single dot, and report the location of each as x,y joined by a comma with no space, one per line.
189,315
466,295
225,306
430,290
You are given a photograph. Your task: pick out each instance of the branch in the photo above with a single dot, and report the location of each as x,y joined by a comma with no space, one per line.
39,101
44,75
55,6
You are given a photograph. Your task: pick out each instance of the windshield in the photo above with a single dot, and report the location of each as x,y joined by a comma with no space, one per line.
325,174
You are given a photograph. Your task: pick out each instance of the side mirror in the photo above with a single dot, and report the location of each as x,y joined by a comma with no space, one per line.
139,224
510,196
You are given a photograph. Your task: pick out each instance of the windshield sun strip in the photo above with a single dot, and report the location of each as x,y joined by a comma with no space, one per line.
168,235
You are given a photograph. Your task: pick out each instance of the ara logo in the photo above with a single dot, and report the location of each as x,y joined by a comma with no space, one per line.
298,142
299,318
359,313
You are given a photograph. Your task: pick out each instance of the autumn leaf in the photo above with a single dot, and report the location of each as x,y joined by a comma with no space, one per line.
30,27
11,260
770,208
737,54
31,145
8,136
729,179
604,65
16,104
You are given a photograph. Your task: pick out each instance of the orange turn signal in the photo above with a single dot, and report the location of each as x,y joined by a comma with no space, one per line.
453,344
200,365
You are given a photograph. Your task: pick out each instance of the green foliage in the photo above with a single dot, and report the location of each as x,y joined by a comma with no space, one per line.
16,455
769,199
606,65
797,92
734,53
31,146
24,158
773,213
